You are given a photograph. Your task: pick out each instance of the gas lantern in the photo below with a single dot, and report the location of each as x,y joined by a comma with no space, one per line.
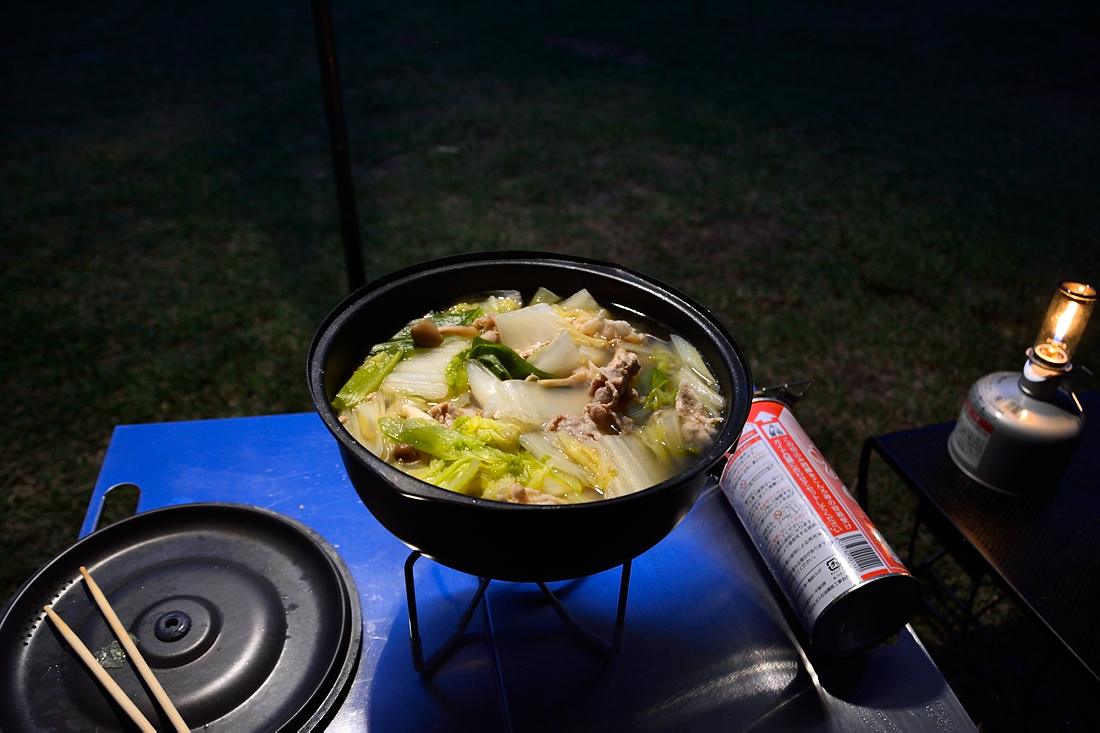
1018,431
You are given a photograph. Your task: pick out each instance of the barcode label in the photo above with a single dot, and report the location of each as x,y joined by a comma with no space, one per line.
859,551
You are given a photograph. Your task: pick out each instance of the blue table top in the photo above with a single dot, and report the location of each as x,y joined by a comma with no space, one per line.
709,642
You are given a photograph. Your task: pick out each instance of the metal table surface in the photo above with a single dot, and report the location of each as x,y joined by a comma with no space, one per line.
709,642
1043,550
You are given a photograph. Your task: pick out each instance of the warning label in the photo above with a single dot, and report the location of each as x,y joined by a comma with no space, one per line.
971,435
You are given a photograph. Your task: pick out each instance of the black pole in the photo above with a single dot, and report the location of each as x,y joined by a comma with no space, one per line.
338,139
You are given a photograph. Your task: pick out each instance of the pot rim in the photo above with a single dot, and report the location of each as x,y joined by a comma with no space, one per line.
737,405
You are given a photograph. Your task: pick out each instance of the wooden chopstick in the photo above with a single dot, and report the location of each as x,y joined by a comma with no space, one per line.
100,674
135,655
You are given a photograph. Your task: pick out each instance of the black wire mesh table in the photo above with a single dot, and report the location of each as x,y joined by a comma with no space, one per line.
1043,553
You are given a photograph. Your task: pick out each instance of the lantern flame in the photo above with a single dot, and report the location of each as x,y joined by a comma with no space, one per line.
1065,321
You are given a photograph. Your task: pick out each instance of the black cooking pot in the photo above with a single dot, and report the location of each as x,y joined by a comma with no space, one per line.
519,542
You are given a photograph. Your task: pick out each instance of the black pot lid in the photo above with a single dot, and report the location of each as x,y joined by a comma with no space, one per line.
249,620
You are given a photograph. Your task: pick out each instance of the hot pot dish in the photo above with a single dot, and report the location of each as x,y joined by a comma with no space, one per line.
523,416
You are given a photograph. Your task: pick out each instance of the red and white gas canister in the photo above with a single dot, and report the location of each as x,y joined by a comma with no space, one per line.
846,585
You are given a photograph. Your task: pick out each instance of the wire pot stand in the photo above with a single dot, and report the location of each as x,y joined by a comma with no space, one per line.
593,640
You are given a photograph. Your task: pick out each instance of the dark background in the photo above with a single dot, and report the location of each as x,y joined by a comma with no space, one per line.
880,197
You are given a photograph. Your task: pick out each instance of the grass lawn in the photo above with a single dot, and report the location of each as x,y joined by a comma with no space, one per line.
879,197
